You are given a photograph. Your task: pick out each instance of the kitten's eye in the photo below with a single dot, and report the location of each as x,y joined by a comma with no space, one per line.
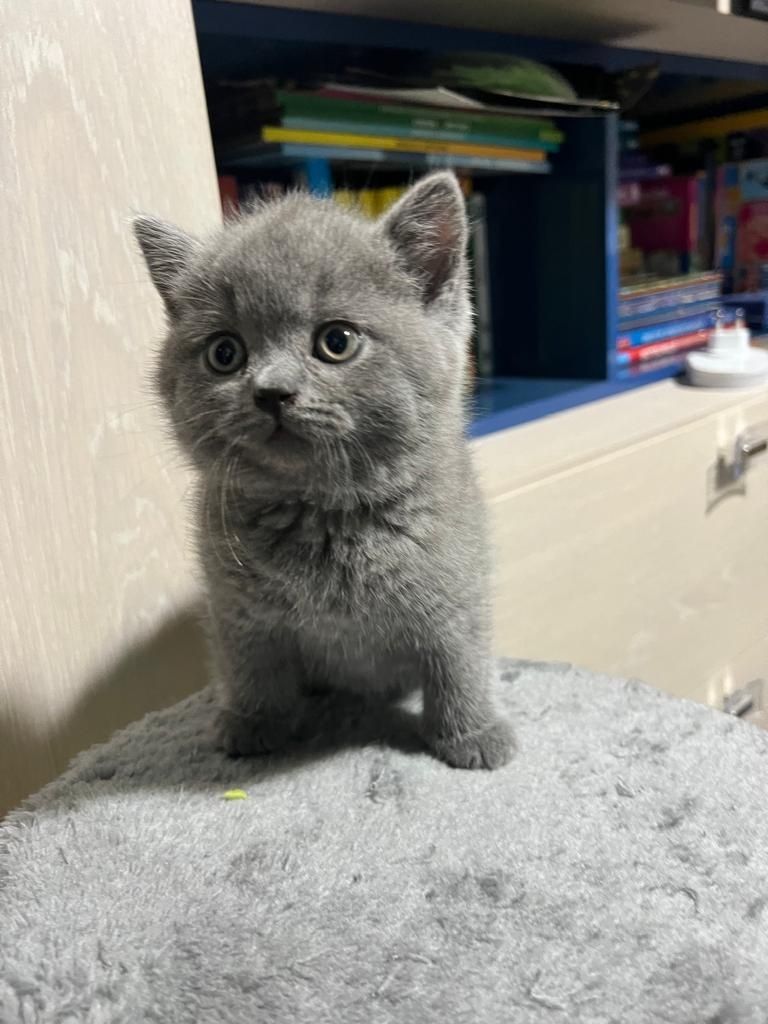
336,343
225,353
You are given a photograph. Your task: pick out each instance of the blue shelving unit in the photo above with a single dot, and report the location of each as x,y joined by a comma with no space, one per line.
503,402
552,237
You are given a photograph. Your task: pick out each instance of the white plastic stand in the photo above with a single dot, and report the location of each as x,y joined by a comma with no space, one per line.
728,361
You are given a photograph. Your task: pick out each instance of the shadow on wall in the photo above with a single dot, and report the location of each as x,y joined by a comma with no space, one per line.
166,667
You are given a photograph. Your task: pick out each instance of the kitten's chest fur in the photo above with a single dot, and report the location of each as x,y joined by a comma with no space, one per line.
317,566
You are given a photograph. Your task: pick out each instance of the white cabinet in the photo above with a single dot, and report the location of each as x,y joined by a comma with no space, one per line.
615,549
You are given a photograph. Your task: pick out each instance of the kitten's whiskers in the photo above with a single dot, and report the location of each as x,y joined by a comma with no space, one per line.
229,467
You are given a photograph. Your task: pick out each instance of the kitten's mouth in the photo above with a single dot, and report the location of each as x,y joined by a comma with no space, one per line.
282,434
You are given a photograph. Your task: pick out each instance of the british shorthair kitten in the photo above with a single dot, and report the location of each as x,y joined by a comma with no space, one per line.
314,373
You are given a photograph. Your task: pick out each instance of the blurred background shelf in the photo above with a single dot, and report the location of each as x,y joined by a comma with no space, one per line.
609,200
687,36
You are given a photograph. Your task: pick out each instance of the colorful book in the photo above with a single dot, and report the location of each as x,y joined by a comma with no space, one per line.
426,119
666,217
662,332
665,302
407,132
229,194
372,202
259,155
272,133
742,225
657,349
653,285
690,291
752,246
661,316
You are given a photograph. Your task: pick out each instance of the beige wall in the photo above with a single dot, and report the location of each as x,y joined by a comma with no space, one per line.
102,113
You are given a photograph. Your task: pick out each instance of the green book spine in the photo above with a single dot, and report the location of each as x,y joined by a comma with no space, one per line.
426,119
408,132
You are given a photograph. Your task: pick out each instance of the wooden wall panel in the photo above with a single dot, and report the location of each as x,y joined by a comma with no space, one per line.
103,114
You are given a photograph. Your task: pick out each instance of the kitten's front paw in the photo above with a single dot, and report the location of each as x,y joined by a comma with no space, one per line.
491,748
243,736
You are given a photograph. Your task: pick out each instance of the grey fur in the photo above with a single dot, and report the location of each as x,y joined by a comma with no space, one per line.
339,526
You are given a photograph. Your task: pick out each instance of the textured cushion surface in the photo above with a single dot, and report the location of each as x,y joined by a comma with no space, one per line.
616,871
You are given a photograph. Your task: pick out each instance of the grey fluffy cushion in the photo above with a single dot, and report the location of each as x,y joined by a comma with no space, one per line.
616,871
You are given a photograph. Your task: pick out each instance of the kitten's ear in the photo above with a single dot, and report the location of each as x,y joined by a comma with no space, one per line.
428,228
167,251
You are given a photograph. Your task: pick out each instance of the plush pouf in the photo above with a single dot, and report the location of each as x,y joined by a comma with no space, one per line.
615,871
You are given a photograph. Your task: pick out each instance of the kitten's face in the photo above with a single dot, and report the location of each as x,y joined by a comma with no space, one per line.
310,350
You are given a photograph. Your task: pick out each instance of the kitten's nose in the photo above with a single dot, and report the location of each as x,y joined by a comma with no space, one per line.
273,400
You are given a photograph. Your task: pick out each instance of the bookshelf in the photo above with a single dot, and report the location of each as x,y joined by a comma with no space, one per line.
552,228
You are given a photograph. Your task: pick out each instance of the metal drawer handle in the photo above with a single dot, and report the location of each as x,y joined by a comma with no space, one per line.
748,444
753,446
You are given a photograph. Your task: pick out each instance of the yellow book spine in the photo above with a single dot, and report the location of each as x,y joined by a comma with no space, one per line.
345,197
388,197
387,142
367,202
711,127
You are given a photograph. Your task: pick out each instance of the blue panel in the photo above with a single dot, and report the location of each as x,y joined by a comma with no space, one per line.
553,260
577,252
500,394
511,206
518,402
319,178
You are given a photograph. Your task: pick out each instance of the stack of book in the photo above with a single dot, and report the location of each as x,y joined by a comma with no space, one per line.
742,225
671,223
393,127
665,317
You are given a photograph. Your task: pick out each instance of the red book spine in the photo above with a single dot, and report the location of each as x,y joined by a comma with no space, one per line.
229,193
642,353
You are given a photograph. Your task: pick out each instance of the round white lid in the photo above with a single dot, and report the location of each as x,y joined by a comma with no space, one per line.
737,369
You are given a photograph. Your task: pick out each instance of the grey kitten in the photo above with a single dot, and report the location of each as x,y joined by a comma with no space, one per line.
314,373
